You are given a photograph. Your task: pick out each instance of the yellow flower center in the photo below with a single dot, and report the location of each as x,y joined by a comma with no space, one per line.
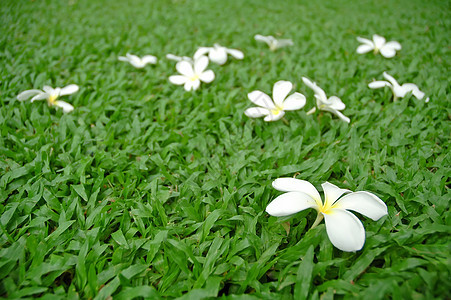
275,111
52,99
194,77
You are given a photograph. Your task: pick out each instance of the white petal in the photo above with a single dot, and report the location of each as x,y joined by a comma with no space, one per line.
379,84
297,185
387,52
271,117
332,193
344,230
192,85
294,102
149,59
207,76
25,95
364,48
364,203
318,91
41,96
379,41
365,41
336,103
393,44
70,89
390,78
280,91
283,43
200,64
64,105
123,58
342,116
185,68
256,112
236,53
178,79
173,57
410,87
49,90
262,38
200,52
218,55
290,203
261,99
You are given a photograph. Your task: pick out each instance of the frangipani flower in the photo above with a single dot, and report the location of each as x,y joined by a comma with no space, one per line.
138,62
378,44
50,94
333,104
178,58
275,110
344,229
192,73
399,91
272,42
218,53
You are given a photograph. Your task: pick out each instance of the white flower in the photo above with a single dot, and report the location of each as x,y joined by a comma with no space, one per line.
399,91
378,44
138,62
50,94
344,229
218,53
178,58
272,42
275,110
333,104
192,73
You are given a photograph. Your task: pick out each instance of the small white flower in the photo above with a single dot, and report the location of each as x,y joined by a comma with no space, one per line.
399,91
192,73
179,58
218,53
275,110
50,94
333,104
344,229
272,42
138,62
378,44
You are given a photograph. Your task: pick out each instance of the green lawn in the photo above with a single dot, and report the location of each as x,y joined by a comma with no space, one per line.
146,190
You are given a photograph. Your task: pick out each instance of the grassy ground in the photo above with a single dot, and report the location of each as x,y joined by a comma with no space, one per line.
147,190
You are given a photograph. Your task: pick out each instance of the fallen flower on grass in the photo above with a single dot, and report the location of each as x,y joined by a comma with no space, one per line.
333,104
138,62
272,42
378,44
218,53
399,91
344,229
192,73
275,110
178,58
50,94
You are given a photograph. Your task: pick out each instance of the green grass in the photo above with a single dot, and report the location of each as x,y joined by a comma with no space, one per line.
145,190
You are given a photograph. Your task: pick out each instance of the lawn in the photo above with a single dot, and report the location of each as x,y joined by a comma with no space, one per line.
148,191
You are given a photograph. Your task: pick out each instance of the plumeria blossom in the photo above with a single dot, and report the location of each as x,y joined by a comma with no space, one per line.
272,42
399,91
343,228
378,44
51,95
218,53
138,62
179,58
275,110
332,104
192,73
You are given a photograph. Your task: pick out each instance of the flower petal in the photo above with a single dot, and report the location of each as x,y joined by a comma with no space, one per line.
173,57
185,68
364,48
332,193
345,231
149,59
256,112
283,43
235,53
280,91
64,105
41,96
318,91
123,58
294,102
290,203
365,41
287,184
178,79
25,95
410,87
387,52
70,89
364,203
48,89
378,84
393,44
200,64
379,41
336,103
342,116
271,117
218,55
261,99
390,78
262,38
200,52
207,76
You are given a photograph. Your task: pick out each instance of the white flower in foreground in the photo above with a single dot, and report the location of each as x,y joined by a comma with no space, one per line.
192,73
344,229
275,110
178,58
378,44
399,91
272,42
218,53
333,104
138,62
50,94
